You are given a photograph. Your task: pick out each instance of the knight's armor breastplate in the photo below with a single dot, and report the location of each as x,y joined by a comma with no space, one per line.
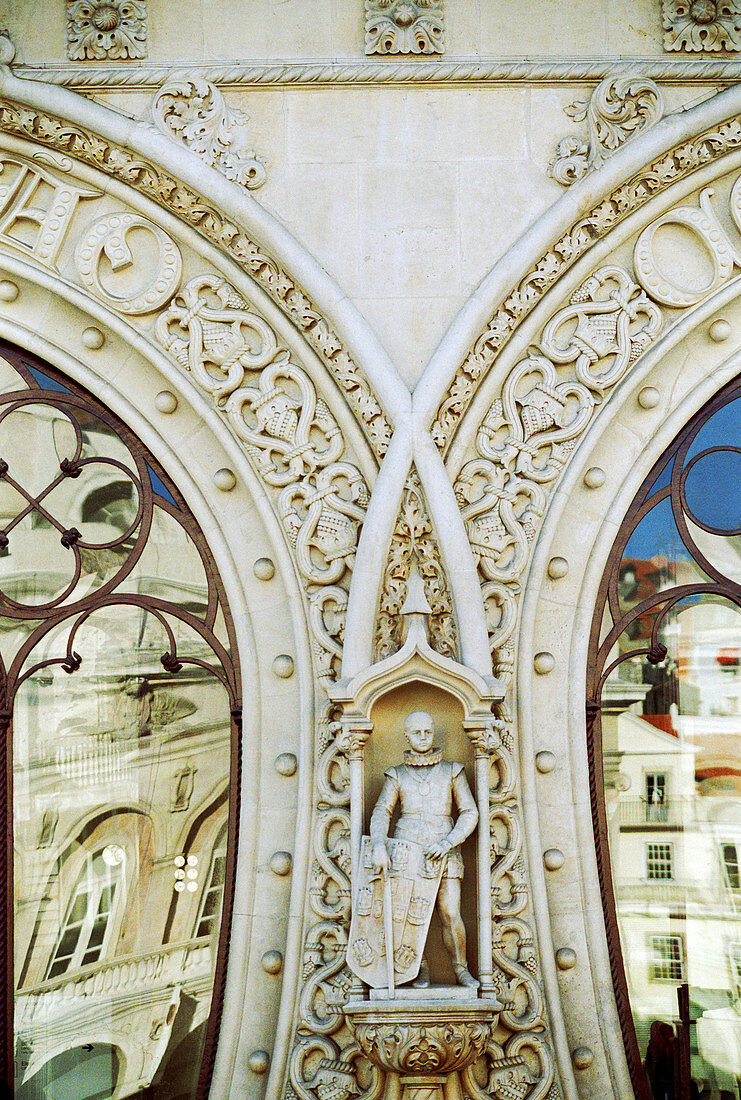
426,802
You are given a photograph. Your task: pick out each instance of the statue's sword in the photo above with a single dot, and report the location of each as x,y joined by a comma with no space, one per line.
388,930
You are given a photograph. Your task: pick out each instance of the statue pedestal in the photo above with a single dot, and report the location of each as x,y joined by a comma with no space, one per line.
422,1041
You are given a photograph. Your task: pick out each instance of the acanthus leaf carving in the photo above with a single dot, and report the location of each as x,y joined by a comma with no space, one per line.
404,26
194,112
413,541
701,25
619,108
106,30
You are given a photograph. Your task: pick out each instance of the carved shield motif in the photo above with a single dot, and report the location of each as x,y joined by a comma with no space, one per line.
414,885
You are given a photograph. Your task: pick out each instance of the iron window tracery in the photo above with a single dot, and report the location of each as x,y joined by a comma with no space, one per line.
689,504
125,494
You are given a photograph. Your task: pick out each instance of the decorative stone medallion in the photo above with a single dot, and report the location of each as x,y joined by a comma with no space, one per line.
106,30
702,25
404,26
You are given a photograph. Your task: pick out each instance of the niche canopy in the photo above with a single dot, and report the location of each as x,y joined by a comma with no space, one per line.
417,663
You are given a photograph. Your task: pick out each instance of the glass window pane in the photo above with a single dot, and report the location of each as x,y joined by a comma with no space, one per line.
670,728
122,698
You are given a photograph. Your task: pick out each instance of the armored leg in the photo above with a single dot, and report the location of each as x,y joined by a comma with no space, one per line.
454,931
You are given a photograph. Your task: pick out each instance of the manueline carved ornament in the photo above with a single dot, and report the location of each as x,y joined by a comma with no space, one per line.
701,25
106,30
413,542
175,196
194,112
404,26
653,179
290,434
618,109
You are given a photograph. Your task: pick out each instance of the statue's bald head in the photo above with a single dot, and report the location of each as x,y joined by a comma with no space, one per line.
420,730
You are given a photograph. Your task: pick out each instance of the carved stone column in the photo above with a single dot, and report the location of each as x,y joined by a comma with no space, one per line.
422,1043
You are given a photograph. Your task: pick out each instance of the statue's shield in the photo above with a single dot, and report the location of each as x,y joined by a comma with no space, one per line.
414,881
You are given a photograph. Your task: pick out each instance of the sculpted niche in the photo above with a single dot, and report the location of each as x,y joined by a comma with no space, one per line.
402,878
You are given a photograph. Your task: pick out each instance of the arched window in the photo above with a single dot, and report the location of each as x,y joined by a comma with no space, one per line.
119,692
664,720
84,933
210,908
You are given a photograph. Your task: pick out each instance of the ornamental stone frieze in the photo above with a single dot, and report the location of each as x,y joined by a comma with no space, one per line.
106,30
701,25
404,26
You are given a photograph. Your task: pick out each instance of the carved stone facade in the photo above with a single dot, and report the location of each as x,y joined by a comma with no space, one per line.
400,527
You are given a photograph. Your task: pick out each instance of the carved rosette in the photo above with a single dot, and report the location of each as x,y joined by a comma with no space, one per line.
404,26
420,1040
701,25
106,30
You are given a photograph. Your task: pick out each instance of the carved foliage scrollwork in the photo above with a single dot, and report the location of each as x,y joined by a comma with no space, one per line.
413,542
522,1029
619,108
292,437
322,1064
194,111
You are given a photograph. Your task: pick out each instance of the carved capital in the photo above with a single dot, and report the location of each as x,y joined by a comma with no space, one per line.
421,1040
487,736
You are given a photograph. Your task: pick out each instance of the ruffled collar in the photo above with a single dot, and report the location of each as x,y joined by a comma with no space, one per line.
422,759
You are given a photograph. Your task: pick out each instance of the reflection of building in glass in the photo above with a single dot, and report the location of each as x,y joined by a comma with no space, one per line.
673,786
121,780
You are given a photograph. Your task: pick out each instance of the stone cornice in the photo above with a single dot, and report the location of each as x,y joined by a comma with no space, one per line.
482,70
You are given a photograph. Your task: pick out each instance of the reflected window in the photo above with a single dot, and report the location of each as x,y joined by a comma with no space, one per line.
664,684
211,900
729,854
667,959
659,861
118,666
86,926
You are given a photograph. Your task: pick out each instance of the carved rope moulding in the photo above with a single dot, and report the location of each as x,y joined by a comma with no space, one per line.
106,30
173,195
711,70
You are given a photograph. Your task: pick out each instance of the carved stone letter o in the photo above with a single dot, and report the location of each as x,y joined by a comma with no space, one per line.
107,236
